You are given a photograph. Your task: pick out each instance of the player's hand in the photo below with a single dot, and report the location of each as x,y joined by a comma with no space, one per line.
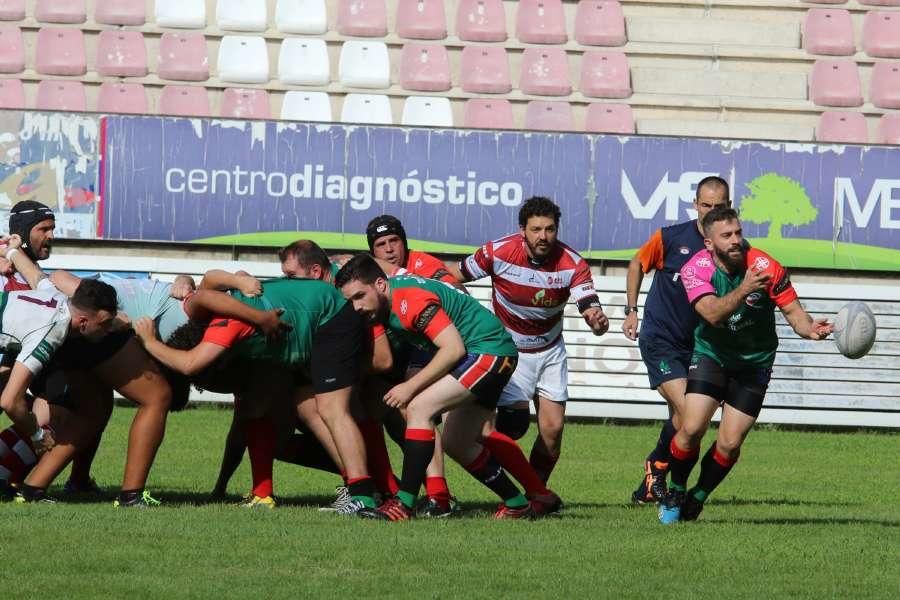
145,329
6,267
249,285
754,281
271,325
630,326
399,396
182,287
596,320
820,329
46,444
13,241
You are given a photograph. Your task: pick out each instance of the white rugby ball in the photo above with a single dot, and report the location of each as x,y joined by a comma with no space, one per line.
854,329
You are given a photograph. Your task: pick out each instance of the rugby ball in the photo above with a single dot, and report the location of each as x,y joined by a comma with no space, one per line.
854,329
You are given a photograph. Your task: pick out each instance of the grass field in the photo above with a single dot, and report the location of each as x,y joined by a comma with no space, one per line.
811,515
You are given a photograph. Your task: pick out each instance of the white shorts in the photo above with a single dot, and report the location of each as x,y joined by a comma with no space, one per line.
544,373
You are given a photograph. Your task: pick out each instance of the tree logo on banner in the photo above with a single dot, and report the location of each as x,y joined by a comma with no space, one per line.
779,201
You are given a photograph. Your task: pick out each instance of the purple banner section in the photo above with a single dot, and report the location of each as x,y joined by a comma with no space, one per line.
190,179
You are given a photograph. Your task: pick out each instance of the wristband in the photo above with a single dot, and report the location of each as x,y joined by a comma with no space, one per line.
10,253
38,436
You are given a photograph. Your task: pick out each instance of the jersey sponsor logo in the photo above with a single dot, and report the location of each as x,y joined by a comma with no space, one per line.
404,306
693,282
418,264
753,299
689,271
664,367
540,299
783,284
760,264
704,263
425,317
684,250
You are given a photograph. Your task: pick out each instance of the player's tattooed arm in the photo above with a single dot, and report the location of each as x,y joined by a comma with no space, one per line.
217,279
803,324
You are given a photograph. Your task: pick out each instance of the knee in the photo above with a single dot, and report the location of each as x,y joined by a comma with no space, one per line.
552,426
729,447
512,421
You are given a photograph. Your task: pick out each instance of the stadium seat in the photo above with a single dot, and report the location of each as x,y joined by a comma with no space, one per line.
306,17
245,104
304,61
122,98
184,100
243,59
12,10
12,49
545,72
121,54
61,95
306,106
421,19
481,21
485,70
889,129
541,22
884,89
184,14
364,18
12,93
426,111
600,23
842,127
367,108
828,31
120,12
835,83
60,51
60,11
541,115
828,1
609,118
241,15
488,114
183,57
880,2
881,34
425,67
365,64
605,74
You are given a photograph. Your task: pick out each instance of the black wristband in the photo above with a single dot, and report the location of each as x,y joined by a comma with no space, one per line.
587,302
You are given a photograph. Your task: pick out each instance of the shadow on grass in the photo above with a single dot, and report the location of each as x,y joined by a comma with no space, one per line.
805,521
735,501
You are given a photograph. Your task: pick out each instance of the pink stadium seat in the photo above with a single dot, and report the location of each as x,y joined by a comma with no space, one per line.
121,54
61,95
889,129
12,49
488,114
842,127
828,1
881,34
880,2
421,19
835,83
60,11
184,100
828,31
545,72
481,21
485,70
182,56
121,98
600,23
609,118
12,10
605,75
884,89
60,51
245,104
12,93
542,115
120,12
425,67
541,22
365,18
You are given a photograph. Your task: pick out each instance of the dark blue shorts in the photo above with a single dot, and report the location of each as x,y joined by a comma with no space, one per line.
664,360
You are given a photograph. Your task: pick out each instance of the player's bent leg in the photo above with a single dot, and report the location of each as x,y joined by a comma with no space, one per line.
334,407
512,420
551,416
308,413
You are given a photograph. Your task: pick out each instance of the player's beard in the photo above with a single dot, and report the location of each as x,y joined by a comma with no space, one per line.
734,263
539,250
383,312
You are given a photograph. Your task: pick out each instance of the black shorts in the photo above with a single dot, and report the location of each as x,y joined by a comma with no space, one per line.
743,389
664,361
485,376
50,384
79,353
337,350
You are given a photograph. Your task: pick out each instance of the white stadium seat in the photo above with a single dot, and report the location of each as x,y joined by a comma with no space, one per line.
427,111
306,106
304,61
374,109
243,59
307,17
241,15
186,14
365,64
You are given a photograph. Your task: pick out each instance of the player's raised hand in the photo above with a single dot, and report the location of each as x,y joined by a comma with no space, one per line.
14,241
271,325
399,396
630,326
821,329
249,285
145,329
755,281
182,287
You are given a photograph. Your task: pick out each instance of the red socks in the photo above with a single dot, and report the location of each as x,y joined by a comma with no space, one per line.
260,435
377,457
436,487
512,459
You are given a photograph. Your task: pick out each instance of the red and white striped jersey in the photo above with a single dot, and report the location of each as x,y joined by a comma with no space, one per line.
528,297
13,283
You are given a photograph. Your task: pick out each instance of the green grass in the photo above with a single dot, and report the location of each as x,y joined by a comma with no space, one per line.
804,514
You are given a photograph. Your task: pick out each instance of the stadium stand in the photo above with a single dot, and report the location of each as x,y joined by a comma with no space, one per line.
421,19
245,104
305,17
303,61
61,95
842,127
60,11
120,12
12,93
242,15
609,118
374,109
122,98
889,129
828,31
121,54
306,106
12,49
487,114
427,111
881,34
425,68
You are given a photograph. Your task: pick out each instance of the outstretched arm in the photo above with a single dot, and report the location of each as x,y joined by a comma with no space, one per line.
188,362
803,324
217,279
24,265
206,303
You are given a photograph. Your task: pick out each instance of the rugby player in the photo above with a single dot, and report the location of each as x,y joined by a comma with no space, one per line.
667,334
735,291
472,359
533,275
387,242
